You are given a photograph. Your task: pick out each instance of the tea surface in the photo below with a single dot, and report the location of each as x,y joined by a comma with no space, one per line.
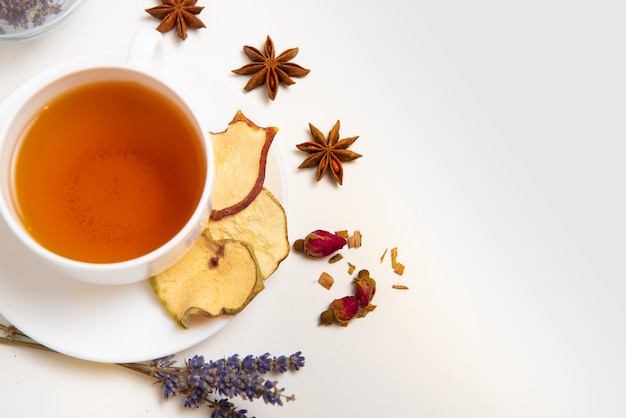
108,172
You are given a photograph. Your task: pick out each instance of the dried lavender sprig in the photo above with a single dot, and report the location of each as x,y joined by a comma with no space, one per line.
230,377
198,380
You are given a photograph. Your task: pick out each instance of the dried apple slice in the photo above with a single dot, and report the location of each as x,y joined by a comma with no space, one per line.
213,278
240,154
263,224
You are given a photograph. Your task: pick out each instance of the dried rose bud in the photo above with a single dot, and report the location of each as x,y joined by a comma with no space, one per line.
345,308
341,311
320,244
365,288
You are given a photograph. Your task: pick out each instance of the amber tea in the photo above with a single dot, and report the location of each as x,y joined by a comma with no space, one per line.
108,172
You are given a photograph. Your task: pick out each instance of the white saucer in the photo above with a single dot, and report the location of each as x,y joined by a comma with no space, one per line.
113,323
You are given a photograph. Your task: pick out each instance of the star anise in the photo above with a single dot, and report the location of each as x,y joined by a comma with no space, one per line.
269,69
328,154
177,13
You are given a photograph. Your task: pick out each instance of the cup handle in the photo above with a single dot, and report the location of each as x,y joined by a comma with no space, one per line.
146,50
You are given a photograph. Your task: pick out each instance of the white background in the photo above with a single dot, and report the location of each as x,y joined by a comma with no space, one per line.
493,140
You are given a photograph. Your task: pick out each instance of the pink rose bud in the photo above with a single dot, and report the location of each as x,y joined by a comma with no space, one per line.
320,243
365,288
341,311
345,308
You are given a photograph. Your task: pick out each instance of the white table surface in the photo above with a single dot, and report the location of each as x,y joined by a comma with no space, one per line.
493,139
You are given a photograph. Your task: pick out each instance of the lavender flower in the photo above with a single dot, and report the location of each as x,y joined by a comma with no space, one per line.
296,361
271,393
281,364
264,363
169,382
225,409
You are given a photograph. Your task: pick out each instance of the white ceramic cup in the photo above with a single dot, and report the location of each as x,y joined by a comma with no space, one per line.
143,65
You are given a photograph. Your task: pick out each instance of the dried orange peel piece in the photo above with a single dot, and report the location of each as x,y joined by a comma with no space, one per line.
397,267
326,280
